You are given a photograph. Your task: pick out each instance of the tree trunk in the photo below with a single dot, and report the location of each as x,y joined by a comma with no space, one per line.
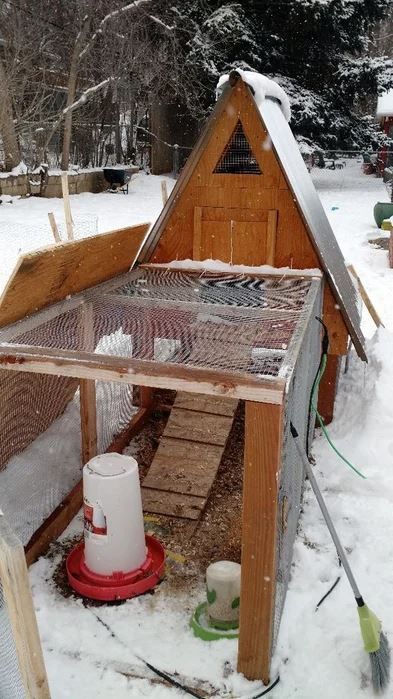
118,147
71,91
7,127
67,131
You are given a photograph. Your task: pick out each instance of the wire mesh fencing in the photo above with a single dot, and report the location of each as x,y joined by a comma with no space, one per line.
11,682
291,479
237,325
40,441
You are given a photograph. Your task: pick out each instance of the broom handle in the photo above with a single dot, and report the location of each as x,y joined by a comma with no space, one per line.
340,550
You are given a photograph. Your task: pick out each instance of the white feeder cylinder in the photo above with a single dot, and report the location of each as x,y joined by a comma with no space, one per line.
114,533
223,593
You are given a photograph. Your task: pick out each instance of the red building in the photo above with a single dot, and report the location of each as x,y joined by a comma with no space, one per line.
385,118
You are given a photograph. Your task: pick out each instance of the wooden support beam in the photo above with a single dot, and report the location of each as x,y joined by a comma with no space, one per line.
20,612
67,206
262,459
141,373
366,299
88,414
87,390
53,225
164,192
55,524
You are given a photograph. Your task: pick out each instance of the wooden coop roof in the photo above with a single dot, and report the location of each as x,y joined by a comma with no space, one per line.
270,119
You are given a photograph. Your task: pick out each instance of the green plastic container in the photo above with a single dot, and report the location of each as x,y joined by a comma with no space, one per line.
382,210
200,625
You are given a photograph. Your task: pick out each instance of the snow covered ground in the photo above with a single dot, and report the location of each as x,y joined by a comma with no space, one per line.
91,652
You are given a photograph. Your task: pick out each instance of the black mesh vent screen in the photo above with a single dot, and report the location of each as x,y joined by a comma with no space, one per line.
238,156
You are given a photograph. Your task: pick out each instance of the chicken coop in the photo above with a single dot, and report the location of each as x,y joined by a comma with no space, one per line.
79,330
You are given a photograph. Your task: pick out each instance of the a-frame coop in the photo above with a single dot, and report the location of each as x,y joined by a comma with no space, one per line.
245,196
214,337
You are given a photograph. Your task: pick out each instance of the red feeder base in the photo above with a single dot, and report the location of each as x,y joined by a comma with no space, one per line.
117,586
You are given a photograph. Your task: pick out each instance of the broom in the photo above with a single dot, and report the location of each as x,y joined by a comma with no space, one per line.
375,641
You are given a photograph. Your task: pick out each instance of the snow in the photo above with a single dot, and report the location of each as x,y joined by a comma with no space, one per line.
318,653
219,266
263,87
20,169
385,104
24,226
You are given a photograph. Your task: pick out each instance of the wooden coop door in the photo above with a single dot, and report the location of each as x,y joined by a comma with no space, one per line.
239,236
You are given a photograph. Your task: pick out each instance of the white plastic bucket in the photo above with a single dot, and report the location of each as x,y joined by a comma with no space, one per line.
114,533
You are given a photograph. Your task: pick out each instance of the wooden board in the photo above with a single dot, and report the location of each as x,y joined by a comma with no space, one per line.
172,504
197,426
206,404
45,276
189,454
184,467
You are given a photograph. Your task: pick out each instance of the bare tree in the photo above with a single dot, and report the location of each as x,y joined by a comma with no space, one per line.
7,126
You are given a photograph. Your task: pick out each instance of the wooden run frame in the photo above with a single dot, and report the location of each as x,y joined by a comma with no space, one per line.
20,611
263,437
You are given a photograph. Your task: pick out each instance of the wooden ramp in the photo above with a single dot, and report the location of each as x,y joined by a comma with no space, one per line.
189,454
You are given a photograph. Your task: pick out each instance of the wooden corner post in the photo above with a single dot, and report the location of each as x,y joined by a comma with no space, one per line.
87,388
262,462
19,612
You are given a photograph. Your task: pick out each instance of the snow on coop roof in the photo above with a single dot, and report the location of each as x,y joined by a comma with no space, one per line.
262,87
385,104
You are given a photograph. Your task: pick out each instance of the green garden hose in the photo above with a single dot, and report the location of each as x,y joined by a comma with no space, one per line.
318,379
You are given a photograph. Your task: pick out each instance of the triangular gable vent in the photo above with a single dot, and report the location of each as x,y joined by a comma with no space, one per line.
238,156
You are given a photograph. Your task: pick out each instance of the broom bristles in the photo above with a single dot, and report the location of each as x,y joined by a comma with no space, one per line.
380,665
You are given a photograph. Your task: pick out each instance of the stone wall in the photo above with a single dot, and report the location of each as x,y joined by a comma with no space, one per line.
21,185
14,185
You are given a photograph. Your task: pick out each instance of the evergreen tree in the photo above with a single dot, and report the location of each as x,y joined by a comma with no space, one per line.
318,50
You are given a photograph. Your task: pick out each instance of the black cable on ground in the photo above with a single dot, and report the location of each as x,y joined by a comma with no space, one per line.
171,680
267,690
168,678
327,593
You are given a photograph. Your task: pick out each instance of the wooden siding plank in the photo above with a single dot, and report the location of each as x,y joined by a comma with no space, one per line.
197,244
271,237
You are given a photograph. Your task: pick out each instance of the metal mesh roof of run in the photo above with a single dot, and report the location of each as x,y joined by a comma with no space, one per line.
241,326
